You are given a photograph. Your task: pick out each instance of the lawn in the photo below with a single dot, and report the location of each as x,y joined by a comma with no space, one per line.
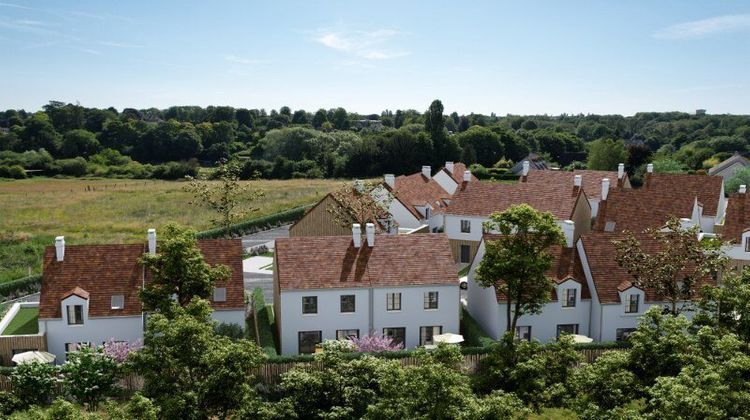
25,322
87,211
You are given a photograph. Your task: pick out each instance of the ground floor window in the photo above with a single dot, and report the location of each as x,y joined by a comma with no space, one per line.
567,329
308,340
346,334
465,254
398,334
75,346
427,333
523,332
622,334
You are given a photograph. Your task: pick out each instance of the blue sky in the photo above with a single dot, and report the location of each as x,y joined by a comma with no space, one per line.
525,57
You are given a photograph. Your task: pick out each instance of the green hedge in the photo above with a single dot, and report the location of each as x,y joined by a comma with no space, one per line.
264,315
20,286
474,335
253,225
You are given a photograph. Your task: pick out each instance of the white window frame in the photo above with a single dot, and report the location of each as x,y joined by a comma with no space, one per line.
390,301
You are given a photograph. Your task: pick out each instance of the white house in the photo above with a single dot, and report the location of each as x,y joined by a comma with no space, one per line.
90,293
402,286
728,167
736,228
417,199
451,176
568,310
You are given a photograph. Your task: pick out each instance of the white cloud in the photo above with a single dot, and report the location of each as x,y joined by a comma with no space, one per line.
15,6
370,45
705,27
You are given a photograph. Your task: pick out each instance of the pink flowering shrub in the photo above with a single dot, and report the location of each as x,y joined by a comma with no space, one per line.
374,342
119,350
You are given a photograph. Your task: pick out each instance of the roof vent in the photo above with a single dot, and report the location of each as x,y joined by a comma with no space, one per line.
467,176
577,179
427,171
620,171
357,235
370,232
60,248
151,235
390,180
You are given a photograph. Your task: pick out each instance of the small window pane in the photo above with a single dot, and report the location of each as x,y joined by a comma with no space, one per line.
393,301
523,333
346,334
347,303
75,314
633,303
220,294
398,335
567,329
569,298
622,334
431,300
118,301
609,227
308,340
310,305
426,334
465,226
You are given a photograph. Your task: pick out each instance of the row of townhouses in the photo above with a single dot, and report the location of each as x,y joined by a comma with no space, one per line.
332,281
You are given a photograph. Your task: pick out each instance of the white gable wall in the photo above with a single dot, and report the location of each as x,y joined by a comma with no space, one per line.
446,181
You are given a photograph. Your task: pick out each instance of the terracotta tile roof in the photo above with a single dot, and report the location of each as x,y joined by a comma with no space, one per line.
608,277
77,291
333,262
566,265
737,219
416,190
638,209
458,172
591,181
105,270
483,198
708,189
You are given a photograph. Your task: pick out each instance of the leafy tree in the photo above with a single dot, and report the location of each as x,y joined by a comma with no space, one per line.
484,143
191,373
33,383
299,117
178,269
38,133
80,143
90,375
603,386
606,154
667,165
434,124
225,198
319,118
340,119
672,264
515,262
727,307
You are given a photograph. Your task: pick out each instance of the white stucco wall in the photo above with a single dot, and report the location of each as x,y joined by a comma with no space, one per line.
446,182
230,316
370,313
402,216
453,227
728,172
93,330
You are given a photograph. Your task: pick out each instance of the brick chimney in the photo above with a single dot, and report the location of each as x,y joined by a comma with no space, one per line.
370,232
151,235
60,248
568,228
427,171
605,188
390,180
449,167
357,235
359,185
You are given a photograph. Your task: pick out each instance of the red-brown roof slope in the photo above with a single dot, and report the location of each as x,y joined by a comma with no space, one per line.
417,190
565,266
638,209
334,262
707,188
608,277
100,270
106,270
737,219
483,198
591,181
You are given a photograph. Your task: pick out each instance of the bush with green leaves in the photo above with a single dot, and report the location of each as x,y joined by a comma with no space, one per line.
232,331
8,403
33,383
90,375
138,408
603,386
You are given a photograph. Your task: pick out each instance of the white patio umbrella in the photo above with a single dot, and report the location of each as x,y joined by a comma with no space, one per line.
578,338
33,356
449,338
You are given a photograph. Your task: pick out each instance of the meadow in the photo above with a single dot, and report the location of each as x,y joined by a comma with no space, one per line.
86,211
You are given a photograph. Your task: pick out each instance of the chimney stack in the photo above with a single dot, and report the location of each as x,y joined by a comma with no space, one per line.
577,179
525,168
60,248
650,168
605,188
743,189
467,176
370,232
151,241
620,171
359,185
449,167
568,228
427,171
390,180
357,235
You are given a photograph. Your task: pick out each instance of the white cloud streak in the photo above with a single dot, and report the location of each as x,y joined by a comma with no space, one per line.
370,45
706,27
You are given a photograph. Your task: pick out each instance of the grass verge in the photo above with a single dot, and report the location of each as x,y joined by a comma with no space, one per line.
266,328
25,322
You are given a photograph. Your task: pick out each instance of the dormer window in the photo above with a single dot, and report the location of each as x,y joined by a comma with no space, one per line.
569,300
75,314
117,302
633,303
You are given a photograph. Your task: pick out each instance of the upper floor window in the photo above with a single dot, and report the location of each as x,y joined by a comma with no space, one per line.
393,301
220,294
75,314
747,244
523,332
465,226
570,298
430,300
118,302
347,303
309,304
633,301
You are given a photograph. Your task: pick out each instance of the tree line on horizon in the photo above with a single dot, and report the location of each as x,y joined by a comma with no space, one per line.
73,140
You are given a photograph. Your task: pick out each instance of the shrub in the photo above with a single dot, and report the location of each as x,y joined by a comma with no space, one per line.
375,343
72,167
22,285
176,170
120,350
603,385
138,408
33,383
232,331
8,403
90,375
13,171
258,223
63,410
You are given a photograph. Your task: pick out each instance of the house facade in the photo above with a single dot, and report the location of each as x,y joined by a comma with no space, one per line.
401,286
90,293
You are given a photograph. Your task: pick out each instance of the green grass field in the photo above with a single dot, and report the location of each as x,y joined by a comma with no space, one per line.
87,211
25,322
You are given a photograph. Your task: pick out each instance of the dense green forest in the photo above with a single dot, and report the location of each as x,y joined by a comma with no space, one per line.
72,140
